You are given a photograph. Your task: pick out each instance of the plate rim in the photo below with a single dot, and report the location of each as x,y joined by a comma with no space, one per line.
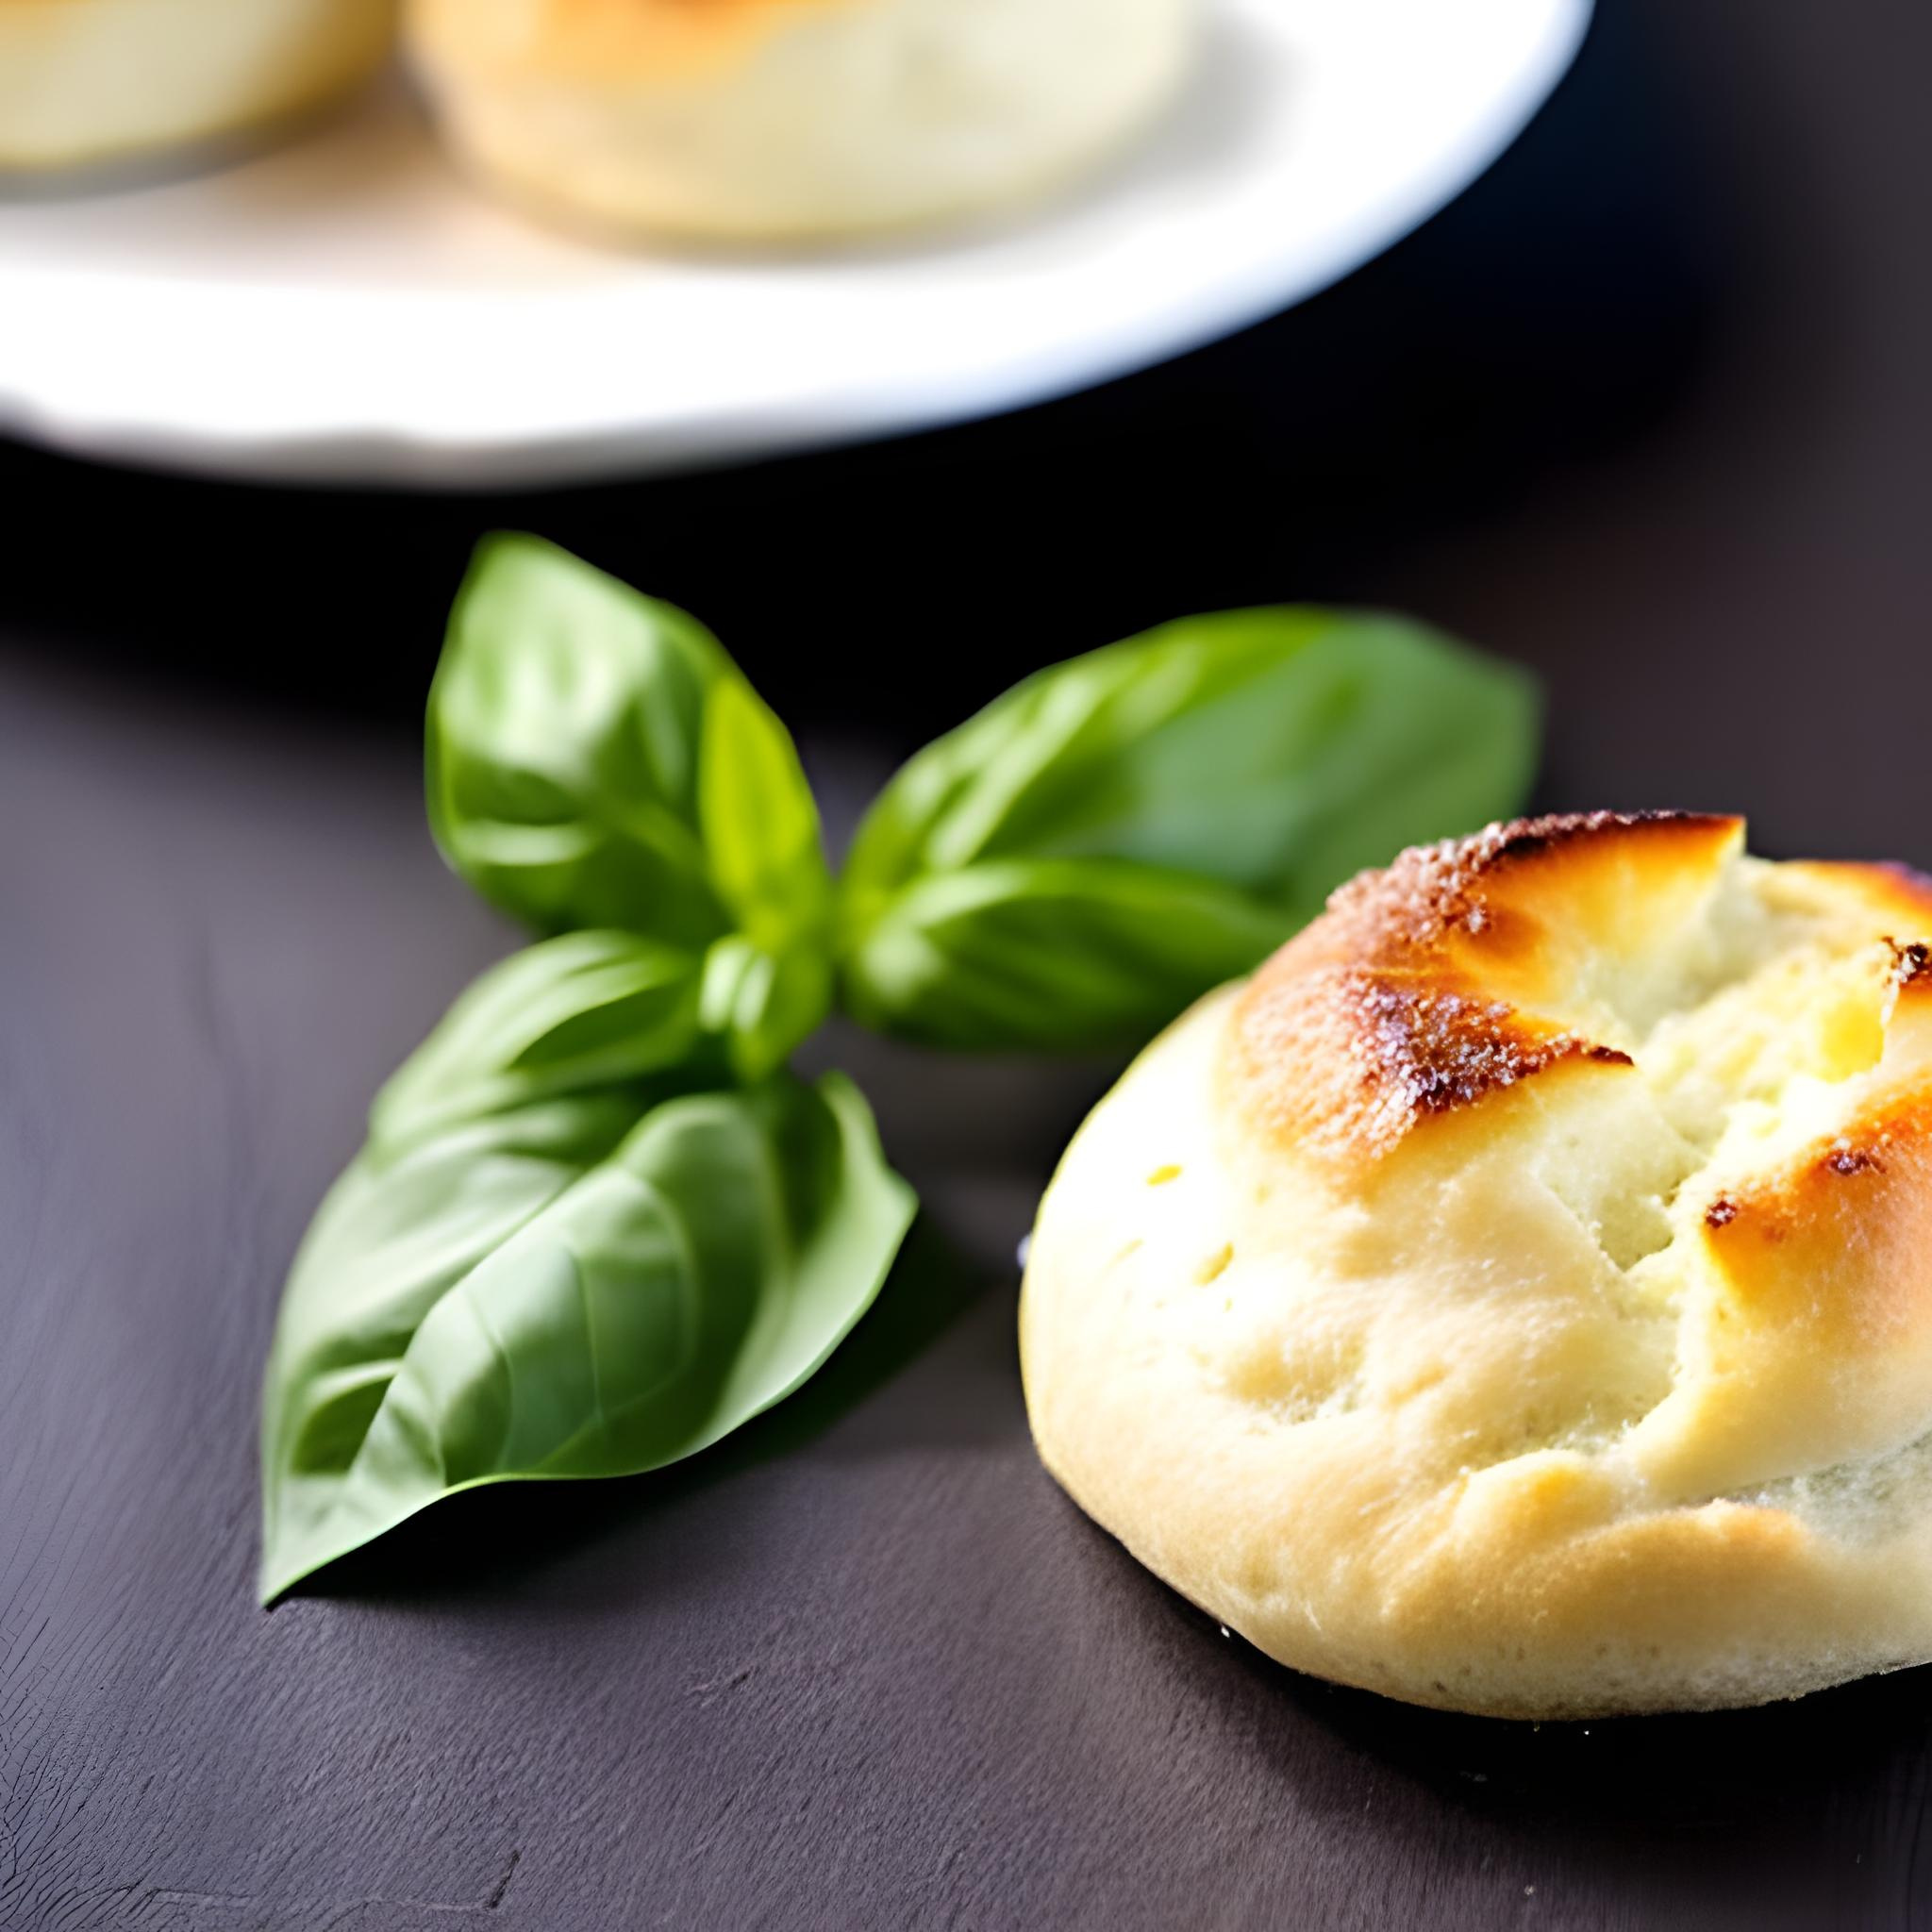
749,429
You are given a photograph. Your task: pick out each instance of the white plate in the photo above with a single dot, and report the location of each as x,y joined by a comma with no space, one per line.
347,309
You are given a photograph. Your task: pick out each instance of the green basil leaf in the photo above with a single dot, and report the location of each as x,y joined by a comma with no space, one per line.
1004,953
521,1300
764,1004
1220,777
769,986
596,759
566,1016
759,820
391,1239
562,747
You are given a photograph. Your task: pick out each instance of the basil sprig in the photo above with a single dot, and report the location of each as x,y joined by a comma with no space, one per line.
596,759
596,1224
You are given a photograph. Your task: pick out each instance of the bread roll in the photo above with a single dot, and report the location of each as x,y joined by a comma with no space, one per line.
767,120
91,81
1516,1297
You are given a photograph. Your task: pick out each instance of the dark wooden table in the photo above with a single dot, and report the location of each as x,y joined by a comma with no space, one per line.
864,1666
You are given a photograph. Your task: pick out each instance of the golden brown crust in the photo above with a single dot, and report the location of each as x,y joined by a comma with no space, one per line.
1867,1190
1823,1257
603,42
1901,888
1435,983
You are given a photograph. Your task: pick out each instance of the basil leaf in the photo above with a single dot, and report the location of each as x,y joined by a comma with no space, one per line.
1002,953
768,987
596,759
1118,833
532,1297
760,823
388,1243
763,1004
568,1015
562,743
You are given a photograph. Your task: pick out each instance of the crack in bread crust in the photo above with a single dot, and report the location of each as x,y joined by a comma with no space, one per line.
1415,993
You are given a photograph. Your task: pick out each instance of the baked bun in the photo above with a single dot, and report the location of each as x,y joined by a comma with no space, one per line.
93,80
783,119
1516,1297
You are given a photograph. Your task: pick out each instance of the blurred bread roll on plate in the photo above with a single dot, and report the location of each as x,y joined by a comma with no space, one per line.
85,81
1516,1297
791,120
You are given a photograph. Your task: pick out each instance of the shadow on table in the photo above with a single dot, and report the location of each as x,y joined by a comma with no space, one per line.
1789,1815
1689,1771
1765,1817
488,1539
